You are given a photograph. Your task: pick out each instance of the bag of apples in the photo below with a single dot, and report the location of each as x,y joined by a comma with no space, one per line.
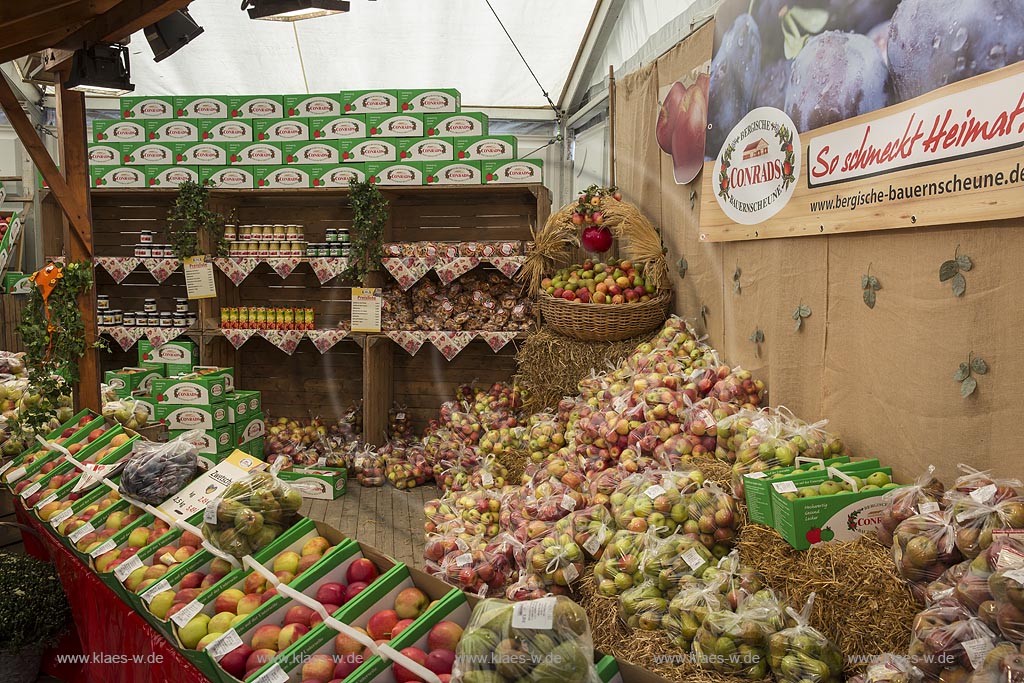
368,466
690,607
949,643
733,430
654,499
924,495
1007,610
735,643
802,653
591,528
976,522
156,471
713,511
405,467
924,547
643,607
619,566
973,587
601,485
671,563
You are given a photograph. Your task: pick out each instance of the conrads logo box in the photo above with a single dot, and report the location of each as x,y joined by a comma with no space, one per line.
117,176
395,125
172,130
284,130
147,108
117,131
202,107
368,150
321,104
435,101
452,173
226,130
210,441
174,353
102,154
127,380
515,171
337,176
256,107
404,174
229,177
337,127
277,177
192,417
369,101
255,153
467,123
242,404
487,147
249,428
189,390
312,152
171,176
148,154
201,153
426,149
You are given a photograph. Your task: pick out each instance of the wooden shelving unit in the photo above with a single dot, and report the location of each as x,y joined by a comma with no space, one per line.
362,366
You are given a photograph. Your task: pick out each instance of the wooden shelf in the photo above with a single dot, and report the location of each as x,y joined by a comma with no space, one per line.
370,369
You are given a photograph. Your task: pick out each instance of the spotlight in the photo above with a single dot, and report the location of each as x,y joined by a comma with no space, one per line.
293,10
101,70
172,33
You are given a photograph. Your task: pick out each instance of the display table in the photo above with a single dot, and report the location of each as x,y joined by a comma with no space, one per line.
110,641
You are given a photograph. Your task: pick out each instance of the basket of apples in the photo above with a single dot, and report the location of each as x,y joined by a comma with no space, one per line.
600,300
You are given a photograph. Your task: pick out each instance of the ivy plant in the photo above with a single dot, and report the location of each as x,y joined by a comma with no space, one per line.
189,217
369,216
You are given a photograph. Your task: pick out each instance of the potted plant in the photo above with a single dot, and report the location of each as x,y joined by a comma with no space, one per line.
191,216
33,612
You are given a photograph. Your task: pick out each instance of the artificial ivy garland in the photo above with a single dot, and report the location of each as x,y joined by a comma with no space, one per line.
189,216
369,216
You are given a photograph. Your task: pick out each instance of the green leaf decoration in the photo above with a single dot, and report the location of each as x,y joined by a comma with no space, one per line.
805,311
964,262
968,386
799,324
865,281
369,217
962,373
682,266
869,298
796,313
810,20
189,218
873,283
959,284
979,366
947,270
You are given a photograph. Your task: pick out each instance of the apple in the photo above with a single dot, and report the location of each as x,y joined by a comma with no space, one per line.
401,626
381,624
444,635
228,601
265,637
298,614
411,603
287,561
249,603
315,546
257,659
191,633
355,589
403,675
361,571
319,667
289,634
440,661
332,593
234,661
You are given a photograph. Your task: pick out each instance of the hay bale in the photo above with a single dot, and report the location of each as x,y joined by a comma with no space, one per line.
550,366
862,604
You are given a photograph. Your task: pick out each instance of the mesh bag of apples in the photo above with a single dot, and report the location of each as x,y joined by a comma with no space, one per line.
155,471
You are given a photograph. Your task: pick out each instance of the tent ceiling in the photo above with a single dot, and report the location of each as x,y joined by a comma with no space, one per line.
379,44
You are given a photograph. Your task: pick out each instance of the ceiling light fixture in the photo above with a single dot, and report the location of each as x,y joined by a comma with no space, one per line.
293,10
172,33
101,70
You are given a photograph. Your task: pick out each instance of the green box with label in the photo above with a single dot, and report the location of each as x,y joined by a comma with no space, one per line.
16,283
171,176
452,173
202,153
369,101
127,380
757,485
186,417
117,176
202,107
396,125
317,104
426,149
255,153
319,483
191,389
213,371
513,172
212,441
171,130
487,147
283,177
307,152
338,175
116,131
147,108
256,106
337,127
226,130
430,101
461,124
149,153
243,403
175,354
107,154
356,150
405,174
252,426
281,130
228,177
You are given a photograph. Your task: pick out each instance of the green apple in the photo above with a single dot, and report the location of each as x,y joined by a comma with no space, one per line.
829,488
808,491
878,479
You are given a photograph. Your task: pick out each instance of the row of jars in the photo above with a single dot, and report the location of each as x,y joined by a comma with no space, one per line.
266,249
262,318
265,233
154,251
118,318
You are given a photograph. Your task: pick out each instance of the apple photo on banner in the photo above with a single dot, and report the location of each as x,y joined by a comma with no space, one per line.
682,123
825,61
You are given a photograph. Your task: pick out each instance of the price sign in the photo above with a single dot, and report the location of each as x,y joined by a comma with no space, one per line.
199,278
366,307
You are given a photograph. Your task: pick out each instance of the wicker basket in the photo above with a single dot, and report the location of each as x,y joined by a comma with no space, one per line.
603,322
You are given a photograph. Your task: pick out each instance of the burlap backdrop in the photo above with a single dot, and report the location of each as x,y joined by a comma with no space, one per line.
883,377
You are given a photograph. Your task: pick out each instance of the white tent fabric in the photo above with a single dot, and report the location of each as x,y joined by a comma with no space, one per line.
378,44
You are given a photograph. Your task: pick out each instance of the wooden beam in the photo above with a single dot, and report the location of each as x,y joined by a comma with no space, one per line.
31,33
122,20
78,246
11,11
73,209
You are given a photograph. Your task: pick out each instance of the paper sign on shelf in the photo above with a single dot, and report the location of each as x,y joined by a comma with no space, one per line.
366,307
197,495
186,613
199,278
123,570
104,547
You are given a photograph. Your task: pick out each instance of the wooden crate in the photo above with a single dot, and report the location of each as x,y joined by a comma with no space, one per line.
11,307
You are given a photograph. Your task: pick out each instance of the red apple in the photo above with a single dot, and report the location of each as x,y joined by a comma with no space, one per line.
333,593
381,624
403,675
361,570
355,589
445,635
441,661
690,128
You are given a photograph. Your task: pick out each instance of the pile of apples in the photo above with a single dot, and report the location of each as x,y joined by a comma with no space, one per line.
267,640
115,521
64,435
188,589
168,555
234,602
614,282
478,512
301,440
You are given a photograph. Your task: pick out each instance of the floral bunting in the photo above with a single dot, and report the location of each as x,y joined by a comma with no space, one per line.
327,268
408,270
408,340
325,340
126,337
238,337
450,343
119,267
286,340
454,268
497,340
284,266
237,269
161,268
508,265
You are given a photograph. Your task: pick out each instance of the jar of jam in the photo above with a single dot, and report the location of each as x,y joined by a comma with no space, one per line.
143,251
146,237
230,232
153,319
295,232
149,305
181,305
180,320
332,235
102,302
166,319
128,318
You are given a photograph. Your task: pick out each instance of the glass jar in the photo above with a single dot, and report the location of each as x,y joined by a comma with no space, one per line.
180,320
299,249
156,251
118,317
294,233
280,233
149,305
230,233
153,319
334,250
263,248
332,235
343,235
143,251
141,319
146,237
274,249
181,305
102,302
166,319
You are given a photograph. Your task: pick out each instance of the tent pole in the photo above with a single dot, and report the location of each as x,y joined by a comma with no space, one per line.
611,126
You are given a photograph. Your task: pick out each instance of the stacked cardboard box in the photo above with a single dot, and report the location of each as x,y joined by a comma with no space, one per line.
391,137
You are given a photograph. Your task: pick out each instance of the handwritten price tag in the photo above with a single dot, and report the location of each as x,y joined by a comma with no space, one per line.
223,645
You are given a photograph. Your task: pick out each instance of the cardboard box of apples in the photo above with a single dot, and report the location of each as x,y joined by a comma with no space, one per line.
757,487
34,449
41,461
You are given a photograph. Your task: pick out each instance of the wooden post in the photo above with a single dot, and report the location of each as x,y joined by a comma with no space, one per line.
78,242
611,126
378,387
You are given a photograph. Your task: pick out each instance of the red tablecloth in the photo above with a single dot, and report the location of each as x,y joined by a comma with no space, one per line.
111,642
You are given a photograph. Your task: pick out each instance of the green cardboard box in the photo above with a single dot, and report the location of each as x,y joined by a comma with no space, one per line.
8,240
237,177
202,153
432,101
256,448
252,426
213,371
452,173
201,107
117,176
318,483
148,153
426,149
317,104
226,130
107,153
337,176
171,130
241,404
256,106
808,520
116,131
409,173
147,108
171,176
212,441
337,127
16,283
191,389
254,154
369,101
397,125
467,123
154,365
312,152
487,147
516,171
177,353
368,150
127,380
757,485
281,130
278,177
185,417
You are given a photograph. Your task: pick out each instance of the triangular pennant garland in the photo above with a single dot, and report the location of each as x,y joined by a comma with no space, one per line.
497,340
455,268
119,267
408,340
450,343
324,340
284,266
161,268
286,340
408,270
238,337
329,267
237,269
124,336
